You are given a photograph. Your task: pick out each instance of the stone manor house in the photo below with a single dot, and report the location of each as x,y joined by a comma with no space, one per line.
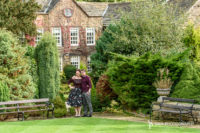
76,25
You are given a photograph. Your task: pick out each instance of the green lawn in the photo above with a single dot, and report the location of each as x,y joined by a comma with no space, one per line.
87,125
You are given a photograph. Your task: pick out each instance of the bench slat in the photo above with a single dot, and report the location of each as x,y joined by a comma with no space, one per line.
178,99
176,106
174,111
23,107
34,110
25,101
9,112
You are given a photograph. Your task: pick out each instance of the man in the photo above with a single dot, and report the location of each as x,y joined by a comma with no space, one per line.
86,92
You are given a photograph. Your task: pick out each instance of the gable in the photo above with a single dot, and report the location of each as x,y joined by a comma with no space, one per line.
92,9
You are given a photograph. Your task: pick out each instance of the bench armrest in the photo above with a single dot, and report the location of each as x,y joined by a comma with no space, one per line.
52,105
155,103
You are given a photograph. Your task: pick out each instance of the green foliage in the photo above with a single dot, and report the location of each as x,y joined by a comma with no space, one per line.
14,67
189,85
33,67
83,66
69,71
18,16
150,26
46,55
99,59
191,39
131,78
4,92
60,109
96,104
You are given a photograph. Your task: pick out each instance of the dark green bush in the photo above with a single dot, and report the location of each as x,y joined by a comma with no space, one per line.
60,109
69,71
131,78
189,84
97,106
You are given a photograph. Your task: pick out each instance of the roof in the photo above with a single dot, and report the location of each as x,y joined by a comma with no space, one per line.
183,4
47,5
194,13
90,8
113,11
93,8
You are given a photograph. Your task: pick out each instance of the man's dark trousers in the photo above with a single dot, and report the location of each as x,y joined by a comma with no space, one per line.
87,103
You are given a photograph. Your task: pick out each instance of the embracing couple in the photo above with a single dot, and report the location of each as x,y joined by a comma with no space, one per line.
80,93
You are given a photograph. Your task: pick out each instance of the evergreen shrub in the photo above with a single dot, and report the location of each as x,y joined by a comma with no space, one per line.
189,84
47,58
131,78
69,71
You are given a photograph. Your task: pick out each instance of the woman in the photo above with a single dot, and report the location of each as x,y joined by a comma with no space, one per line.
75,96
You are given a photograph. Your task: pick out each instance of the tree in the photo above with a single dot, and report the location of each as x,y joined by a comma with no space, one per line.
46,55
14,68
191,39
150,26
18,16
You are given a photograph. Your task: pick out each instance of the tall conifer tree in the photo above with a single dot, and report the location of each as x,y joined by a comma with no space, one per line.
46,55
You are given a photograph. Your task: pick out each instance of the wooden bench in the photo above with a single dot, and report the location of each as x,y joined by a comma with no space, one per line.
26,106
180,107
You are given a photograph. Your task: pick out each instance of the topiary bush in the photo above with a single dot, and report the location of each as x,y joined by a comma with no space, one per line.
4,92
69,71
47,58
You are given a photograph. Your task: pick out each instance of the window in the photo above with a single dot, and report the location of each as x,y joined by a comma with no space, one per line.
61,63
88,64
58,35
75,61
74,33
39,35
90,35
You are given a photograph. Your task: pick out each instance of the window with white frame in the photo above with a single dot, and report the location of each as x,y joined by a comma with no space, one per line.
89,68
75,61
58,35
61,63
74,33
39,35
90,35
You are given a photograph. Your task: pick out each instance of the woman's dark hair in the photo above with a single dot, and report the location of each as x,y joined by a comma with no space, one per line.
78,70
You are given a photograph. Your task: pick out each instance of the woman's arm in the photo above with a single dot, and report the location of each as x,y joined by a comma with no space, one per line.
70,82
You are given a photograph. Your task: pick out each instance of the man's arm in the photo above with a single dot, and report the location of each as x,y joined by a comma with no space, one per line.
89,84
